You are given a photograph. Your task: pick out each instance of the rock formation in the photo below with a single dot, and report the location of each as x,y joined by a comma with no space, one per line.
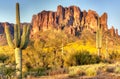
71,19
116,32
113,32
104,21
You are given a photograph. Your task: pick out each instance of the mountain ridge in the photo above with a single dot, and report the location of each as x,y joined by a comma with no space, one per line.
70,19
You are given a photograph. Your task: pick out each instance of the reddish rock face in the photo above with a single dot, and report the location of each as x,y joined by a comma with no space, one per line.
112,31
104,21
71,17
84,14
60,14
116,33
91,20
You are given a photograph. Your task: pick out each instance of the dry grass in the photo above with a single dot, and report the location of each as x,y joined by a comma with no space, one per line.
66,76
101,72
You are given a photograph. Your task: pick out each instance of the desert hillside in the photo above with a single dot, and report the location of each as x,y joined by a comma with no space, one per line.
61,42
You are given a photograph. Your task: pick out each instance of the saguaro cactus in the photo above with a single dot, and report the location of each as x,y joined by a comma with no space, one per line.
99,37
106,43
20,41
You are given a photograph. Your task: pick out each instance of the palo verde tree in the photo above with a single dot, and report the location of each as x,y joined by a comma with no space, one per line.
99,37
20,41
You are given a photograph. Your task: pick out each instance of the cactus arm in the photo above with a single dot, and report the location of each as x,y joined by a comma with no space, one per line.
16,35
25,37
8,36
17,14
18,21
97,35
100,37
97,39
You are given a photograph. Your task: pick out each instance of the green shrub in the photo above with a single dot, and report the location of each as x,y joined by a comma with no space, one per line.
3,57
115,55
7,71
84,57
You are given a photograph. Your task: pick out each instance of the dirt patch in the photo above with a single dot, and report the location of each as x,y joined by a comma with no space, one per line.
66,76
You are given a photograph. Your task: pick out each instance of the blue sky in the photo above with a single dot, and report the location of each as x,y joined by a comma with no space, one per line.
30,7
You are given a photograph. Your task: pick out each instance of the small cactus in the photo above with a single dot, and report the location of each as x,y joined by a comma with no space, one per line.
106,43
99,37
20,41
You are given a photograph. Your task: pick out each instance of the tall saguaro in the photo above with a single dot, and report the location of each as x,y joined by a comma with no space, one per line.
99,37
19,43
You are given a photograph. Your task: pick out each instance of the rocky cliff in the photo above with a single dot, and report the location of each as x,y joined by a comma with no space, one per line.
71,19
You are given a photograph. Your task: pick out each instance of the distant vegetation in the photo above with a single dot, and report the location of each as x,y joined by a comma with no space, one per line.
51,50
